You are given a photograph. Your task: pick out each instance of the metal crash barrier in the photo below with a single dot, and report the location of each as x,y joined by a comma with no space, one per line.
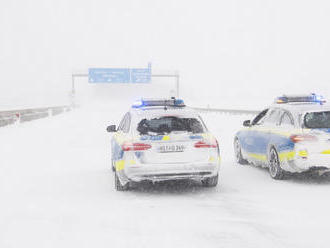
24,115
228,111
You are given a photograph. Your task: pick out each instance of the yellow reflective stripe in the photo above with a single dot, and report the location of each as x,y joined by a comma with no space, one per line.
166,138
119,138
211,159
207,136
120,164
282,156
214,159
274,131
132,162
287,155
326,152
303,153
258,156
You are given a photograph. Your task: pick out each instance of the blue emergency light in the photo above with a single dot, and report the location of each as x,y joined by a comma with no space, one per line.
312,98
158,102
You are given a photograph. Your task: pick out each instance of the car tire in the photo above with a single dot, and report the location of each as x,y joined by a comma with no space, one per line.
119,186
238,152
210,181
275,170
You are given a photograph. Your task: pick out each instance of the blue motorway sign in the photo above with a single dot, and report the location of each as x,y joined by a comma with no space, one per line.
119,75
109,75
141,75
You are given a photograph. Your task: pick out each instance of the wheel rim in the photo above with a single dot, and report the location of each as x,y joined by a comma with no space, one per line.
237,151
273,163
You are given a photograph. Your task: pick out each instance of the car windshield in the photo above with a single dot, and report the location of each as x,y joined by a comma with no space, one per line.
167,124
317,120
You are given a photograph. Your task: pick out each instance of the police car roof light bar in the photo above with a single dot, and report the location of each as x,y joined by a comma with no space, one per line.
312,98
159,102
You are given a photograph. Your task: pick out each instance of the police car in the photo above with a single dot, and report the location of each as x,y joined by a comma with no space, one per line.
160,140
291,136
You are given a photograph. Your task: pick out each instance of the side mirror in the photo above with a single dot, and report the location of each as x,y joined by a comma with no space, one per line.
111,129
247,123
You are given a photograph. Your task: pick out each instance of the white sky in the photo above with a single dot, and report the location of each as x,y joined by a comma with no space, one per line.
236,49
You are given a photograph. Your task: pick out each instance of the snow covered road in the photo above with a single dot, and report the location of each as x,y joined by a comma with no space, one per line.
57,190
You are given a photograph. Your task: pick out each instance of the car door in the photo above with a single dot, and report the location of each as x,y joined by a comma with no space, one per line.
272,132
251,138
262,135
120,136
280,137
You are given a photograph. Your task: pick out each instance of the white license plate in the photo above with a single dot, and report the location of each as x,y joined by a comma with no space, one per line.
171,148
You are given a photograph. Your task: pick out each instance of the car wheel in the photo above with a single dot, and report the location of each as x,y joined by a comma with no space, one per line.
210,181
238,152
119,186
275,169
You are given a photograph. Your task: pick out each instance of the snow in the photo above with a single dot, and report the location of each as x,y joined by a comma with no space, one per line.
56,187
223,50
57,190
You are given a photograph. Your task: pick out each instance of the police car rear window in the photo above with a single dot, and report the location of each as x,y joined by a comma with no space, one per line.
317,120
169,124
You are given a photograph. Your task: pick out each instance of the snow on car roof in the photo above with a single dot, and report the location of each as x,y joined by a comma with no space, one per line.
158,111
303,107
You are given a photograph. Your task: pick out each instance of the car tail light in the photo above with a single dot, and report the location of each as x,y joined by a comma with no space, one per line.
206,144
302,138
135,147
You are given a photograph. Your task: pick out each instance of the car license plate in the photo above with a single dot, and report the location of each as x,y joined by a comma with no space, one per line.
171,148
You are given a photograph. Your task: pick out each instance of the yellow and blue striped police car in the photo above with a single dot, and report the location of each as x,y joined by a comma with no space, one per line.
291,136
160,140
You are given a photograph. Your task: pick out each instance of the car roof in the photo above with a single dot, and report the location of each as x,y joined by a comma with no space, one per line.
298,108
149,112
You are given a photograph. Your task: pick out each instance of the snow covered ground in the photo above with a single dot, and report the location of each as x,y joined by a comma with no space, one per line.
57,190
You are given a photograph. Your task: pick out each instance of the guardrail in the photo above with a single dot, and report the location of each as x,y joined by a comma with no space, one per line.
23,115
228,111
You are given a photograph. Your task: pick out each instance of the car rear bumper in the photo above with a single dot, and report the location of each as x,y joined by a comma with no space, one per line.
164,172
306,163
313,161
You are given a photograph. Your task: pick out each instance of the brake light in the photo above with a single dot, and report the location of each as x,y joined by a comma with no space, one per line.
302,138
135,147
203,144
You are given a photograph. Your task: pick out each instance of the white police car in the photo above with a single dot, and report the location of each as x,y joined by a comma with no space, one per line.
159,140
292,135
